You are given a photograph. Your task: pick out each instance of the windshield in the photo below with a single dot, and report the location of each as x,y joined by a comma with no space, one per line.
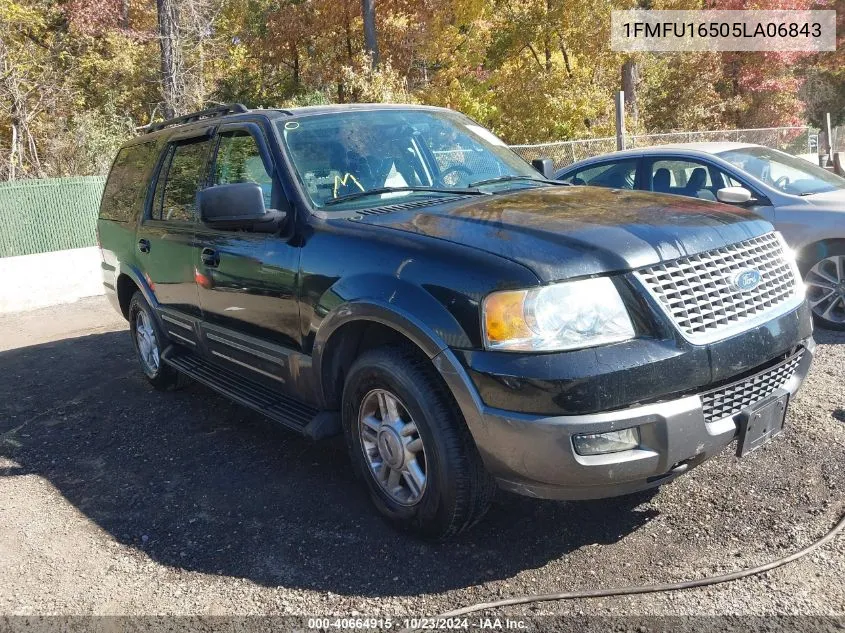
412,153
782,171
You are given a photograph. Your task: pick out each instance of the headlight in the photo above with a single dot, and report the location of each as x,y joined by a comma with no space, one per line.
561,316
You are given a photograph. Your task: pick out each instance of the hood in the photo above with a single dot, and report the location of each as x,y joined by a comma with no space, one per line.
565,232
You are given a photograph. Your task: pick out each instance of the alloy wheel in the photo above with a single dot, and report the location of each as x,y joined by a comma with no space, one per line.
826,289
145,336
393,448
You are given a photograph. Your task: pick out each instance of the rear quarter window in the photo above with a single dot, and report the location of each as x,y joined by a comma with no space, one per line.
127,183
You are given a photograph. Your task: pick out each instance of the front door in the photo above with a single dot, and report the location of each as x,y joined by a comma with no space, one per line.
166,235
696,178
247,281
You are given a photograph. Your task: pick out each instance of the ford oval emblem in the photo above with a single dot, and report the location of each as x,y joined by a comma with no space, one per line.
746,279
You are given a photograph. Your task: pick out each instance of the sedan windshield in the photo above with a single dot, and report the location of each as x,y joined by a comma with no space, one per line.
782,171
398,154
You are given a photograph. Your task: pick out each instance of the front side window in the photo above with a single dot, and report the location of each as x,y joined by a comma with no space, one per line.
336,155
180,177
784,172
684,177
239,160
616,175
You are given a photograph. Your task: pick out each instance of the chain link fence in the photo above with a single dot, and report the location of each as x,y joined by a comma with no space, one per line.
793,140
39,216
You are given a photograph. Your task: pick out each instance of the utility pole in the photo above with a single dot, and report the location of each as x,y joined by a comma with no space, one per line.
829,134
620,120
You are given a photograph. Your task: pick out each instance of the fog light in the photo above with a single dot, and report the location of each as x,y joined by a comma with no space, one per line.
603,443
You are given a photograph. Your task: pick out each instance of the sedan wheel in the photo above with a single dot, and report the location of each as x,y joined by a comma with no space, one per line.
826,290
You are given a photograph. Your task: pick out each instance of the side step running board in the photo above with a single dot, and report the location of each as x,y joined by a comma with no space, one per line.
292,413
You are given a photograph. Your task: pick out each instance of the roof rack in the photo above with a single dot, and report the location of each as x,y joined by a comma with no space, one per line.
229,108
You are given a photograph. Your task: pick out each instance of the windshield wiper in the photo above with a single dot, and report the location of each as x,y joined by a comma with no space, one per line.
381,190
490,181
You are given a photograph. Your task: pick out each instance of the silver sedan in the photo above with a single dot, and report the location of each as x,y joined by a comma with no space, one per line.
803,201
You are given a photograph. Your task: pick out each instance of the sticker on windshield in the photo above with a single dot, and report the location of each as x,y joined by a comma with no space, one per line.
487,135
291,125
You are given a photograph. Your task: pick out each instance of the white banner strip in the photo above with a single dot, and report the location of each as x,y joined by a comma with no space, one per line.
712,30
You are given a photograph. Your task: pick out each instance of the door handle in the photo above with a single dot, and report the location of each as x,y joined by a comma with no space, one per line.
210,257
144,246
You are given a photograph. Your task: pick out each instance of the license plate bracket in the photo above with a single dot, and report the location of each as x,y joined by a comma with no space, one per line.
760,423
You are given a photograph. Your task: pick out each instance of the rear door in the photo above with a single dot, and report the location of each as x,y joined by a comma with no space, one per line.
165,238
121,207
677,175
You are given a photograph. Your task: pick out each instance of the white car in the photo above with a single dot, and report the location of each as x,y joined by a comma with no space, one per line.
805,202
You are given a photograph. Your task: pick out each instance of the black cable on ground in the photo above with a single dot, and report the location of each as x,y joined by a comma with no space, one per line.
669,586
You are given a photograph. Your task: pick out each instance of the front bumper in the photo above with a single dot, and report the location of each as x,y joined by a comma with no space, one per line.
534,455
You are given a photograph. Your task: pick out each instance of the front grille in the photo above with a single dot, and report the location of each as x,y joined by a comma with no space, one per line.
699,295
729,400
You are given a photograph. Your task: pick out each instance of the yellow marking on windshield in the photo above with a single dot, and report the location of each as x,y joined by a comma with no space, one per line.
341,182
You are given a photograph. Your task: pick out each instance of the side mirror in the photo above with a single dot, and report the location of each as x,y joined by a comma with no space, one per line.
733,195
545,166
238,206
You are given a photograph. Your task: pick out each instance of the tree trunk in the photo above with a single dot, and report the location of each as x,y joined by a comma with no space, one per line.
124,14
370,40
547,49
347,25
629,87
13,154
167,24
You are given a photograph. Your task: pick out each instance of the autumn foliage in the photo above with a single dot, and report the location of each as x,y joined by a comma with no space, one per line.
79,76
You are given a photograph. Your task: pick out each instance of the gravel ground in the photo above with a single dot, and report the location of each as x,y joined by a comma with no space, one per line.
116,499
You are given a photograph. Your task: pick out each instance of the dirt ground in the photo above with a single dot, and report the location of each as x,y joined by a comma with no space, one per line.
117,499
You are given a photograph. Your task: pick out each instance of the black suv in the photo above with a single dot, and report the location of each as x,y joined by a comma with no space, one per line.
398,275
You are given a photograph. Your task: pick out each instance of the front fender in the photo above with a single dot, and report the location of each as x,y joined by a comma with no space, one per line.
402,306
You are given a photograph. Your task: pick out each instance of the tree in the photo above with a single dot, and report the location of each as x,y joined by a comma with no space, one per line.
368,10
171,59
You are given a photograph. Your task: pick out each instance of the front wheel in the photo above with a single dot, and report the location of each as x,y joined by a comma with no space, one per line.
409,444
825,281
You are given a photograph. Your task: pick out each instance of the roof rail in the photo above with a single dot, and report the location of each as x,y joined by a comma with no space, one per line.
229,108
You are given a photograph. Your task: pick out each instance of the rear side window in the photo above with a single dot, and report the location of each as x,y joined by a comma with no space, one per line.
617,175
127,182
182,174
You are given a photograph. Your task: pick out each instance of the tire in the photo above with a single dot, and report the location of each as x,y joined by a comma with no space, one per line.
457,489
826,296
145,330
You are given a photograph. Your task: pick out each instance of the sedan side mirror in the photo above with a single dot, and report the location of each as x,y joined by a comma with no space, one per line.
733,195
238,206
545,166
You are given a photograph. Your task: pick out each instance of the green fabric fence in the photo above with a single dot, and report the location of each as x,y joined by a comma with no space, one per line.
53,214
